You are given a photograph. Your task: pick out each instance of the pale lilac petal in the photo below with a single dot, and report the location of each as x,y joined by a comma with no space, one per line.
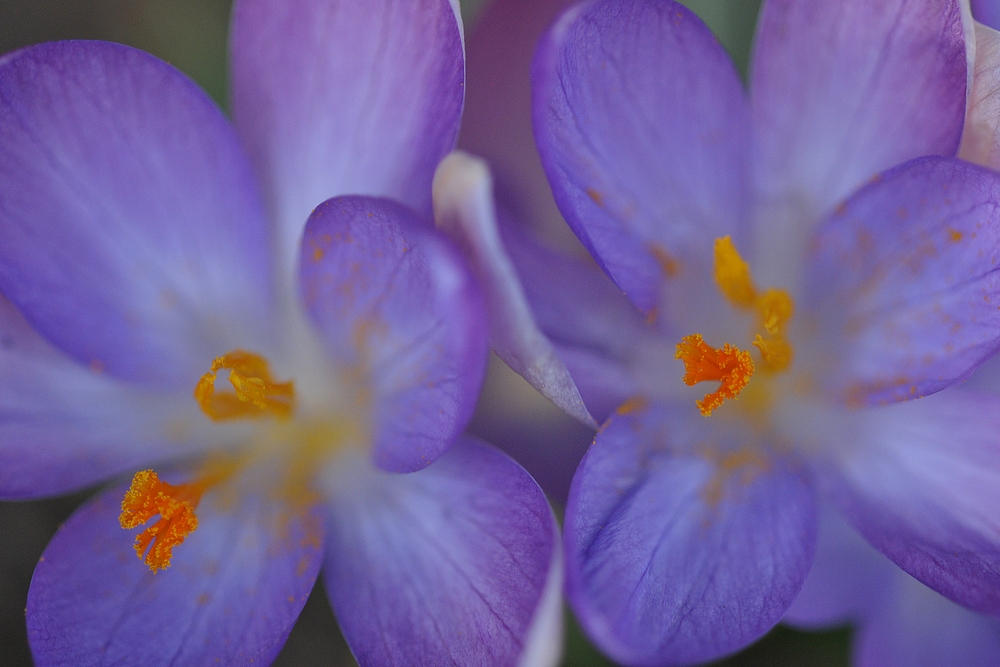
916,627
464,209
131,232
843,90
981,136
903,282
676,553
230,596
448,565
397,308
847,580
64,426
643,131
921,481
496,123
345,97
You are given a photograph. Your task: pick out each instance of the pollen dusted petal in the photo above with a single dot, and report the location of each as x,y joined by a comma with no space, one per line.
731,366
256,393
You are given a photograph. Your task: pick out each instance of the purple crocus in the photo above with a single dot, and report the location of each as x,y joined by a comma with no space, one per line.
812,255
140,266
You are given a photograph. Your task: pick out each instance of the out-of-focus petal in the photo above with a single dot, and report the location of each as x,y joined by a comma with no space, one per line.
643,131
64,426
394,302
680,546
843,90
981,136
916,627
496,122
345,97
464,209
231,594
131,231
448,565
903,282
987,11
921,481
847,579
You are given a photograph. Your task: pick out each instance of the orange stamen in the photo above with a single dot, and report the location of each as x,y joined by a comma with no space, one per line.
730,366
146,498
256,393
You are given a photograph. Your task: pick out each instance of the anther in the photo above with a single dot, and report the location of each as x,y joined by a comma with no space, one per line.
256,393
730,366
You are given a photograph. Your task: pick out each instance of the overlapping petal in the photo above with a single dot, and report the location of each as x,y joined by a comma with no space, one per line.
987,11
64,426
920,480
392,299
981,135
464,209
916,627
843,90
643,131
679,551
904,285
131,234
231,594
345,97
847,579
448,565
496,123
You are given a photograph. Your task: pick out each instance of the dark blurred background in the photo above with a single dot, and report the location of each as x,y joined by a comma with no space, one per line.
191,34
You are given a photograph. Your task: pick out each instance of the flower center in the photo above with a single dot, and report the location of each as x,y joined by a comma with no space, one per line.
255,394
731,366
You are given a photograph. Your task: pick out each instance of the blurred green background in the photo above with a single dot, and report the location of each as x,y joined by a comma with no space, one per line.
191,34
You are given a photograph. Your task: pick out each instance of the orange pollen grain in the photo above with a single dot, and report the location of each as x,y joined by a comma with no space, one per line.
730,366
255,394
148,497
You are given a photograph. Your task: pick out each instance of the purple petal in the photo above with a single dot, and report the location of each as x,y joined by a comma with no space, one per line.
847,580
987,11
981,136
341,97
464,209
916,627
677,553
496,123
904,284
131,234
233,591
643,129
64,426
449,565
921,481
843,90
395,304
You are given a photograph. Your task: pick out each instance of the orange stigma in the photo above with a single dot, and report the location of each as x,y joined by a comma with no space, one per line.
146,498
730,366
256,393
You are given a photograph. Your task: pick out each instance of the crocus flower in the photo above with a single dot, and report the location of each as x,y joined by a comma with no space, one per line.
812,254
147,263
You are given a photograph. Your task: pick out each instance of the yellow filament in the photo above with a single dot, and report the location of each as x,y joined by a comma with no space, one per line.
774,307
730,366
732,274
256,393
